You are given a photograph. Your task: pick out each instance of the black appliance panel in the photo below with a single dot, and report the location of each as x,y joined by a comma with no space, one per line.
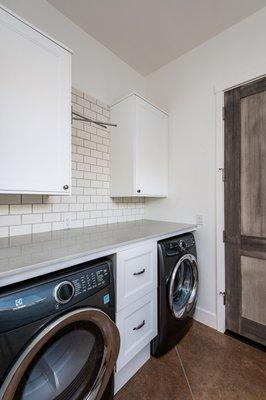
34,303
170,329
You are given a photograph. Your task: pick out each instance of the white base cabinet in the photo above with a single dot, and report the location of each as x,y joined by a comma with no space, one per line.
139,149
136,307
35,104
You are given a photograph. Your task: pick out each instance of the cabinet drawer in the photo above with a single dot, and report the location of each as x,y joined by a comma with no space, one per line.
137,325
136,274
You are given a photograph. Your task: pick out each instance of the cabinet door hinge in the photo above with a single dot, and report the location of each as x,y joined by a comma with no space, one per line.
223,113
223,293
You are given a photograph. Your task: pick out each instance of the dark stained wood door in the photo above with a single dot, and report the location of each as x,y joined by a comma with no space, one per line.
245,210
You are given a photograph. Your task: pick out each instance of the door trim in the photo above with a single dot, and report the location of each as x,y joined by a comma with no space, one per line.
220,88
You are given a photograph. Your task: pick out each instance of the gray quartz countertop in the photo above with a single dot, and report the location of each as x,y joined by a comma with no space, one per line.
27,256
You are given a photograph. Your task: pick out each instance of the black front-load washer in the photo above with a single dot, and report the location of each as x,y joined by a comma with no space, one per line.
177,291
58,340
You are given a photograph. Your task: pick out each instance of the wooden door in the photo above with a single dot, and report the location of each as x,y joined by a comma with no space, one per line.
35,96
245,210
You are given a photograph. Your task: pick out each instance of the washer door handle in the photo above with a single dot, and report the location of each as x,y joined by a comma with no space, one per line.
140,272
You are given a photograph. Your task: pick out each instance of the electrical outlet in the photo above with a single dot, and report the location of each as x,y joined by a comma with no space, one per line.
199,219
67,221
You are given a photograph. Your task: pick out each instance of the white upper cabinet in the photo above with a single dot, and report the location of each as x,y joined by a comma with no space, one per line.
139,149
35,110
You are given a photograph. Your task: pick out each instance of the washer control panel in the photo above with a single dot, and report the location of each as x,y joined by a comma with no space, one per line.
91,280
53,293
177,245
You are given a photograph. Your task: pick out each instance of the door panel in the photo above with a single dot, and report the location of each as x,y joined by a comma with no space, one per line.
253,163
245,210
253,276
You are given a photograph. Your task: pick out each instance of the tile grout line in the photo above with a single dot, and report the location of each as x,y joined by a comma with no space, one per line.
184,372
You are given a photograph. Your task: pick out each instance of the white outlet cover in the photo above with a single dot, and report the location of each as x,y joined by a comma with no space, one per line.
67,221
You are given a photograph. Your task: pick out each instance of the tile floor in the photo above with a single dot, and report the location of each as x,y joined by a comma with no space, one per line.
206,365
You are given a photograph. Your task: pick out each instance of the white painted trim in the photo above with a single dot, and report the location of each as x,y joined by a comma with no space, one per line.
238,79
131,368
7,10
220,261
205,317
141,97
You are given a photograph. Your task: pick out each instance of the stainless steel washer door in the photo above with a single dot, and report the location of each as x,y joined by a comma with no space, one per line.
70,359
183,288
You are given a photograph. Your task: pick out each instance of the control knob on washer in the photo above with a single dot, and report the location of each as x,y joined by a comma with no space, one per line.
182,245
64,292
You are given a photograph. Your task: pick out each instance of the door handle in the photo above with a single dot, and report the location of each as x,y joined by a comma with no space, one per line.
139,326
140,272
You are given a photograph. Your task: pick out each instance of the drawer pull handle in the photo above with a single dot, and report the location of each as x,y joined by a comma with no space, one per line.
139,326
139,273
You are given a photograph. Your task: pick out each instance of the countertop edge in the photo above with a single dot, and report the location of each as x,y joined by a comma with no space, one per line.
46,267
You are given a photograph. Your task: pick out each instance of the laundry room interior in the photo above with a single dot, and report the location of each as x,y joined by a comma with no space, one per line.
132,200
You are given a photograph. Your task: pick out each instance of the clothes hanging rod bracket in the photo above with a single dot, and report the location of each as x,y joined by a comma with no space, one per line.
78,117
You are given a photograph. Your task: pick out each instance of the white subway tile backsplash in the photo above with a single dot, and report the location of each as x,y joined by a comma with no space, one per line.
52,217
42,208
41,228
31,198
31,218
90,202
3,209
10,199
60,207
21,209
8,220
20,230
3,231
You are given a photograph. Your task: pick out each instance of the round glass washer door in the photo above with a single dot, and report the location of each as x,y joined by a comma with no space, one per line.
183,287
71,359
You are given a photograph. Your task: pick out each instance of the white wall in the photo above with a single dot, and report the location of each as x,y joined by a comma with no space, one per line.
96,70
186,88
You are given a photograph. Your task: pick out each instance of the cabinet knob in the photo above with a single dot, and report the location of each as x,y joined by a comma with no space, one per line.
138,191
65,187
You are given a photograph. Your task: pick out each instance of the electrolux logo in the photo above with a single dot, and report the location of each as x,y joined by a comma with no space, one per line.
19,302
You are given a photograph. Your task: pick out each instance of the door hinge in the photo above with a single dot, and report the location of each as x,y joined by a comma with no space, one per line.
223,293
224,236
223,113
223,173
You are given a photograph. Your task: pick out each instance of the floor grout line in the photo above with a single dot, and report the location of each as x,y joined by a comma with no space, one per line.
184,372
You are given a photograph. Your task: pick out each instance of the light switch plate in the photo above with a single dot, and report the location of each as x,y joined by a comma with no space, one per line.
199,219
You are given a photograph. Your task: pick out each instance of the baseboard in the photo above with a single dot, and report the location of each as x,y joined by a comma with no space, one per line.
206,317
131,367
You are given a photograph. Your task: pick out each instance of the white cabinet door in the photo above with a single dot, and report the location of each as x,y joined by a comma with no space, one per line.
139,149
137,325
35,104
136,274
151,150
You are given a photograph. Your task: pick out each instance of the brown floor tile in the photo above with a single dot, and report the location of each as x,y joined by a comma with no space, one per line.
220,367
158,379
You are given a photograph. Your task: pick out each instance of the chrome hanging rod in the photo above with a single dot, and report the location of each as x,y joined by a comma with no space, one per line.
78,117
